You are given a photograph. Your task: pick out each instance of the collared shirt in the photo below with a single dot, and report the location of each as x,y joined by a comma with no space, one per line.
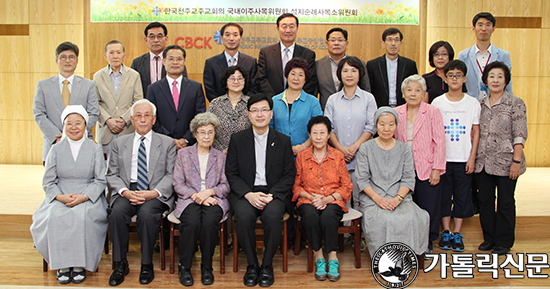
334,70
482,61
155,67
171,80
294,123
260,152
116,78
325,178
69,85
392,80
228,57
351,117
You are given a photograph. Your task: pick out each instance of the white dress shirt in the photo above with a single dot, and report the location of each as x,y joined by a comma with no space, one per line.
392,80
260,150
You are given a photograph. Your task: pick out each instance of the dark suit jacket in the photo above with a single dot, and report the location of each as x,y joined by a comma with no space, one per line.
269,78
216,65
169,121
141,65
378,75
240,165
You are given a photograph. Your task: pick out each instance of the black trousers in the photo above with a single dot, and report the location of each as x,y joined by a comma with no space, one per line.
245,222
498,226
321,224
428,197
148,215
199,223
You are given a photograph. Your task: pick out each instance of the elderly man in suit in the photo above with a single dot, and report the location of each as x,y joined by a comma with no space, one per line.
178,98
481,54
55,93
271,63
140,179
117,88
328,83
215,65
149,65
388,71
260,170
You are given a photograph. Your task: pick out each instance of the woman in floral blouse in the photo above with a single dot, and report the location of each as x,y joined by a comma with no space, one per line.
500,159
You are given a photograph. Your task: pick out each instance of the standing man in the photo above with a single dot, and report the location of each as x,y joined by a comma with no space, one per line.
481,54
216,65
117,88
140,180
177,98
55,93
271,63
260,170
388,71
337,43
149,65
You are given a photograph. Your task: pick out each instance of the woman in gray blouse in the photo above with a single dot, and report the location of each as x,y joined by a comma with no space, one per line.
500,159
69,227
385,175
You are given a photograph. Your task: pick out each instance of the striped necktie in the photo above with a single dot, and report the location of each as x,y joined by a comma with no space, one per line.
142,182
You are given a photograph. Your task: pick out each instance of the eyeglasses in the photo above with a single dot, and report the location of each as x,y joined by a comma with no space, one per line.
262,111
453,76
64,57
391,40
441,54
235,79
334,40
153,37
174,59
206,133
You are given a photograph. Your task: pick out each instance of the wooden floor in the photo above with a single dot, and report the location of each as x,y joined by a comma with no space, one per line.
21,264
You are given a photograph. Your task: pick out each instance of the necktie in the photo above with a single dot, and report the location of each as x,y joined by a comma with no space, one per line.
142,167
175,94
157,67
65,93
232,61
285,60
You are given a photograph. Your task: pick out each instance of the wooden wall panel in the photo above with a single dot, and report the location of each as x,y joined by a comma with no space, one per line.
18,49
452,13
542,133
544,50
460,39
543,106
527,88
513,8
56,11
14,12
521,51
44,40
14,141
531,145
545,14
16,99
36,144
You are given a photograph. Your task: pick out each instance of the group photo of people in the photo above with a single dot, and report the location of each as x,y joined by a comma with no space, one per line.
283,138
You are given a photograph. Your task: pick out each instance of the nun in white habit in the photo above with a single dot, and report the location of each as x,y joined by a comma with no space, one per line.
70,225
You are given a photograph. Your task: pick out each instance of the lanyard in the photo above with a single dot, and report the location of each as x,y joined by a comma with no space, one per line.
484,65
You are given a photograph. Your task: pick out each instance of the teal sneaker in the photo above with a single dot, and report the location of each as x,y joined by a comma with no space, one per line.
321,273
445,240
458,244
333,270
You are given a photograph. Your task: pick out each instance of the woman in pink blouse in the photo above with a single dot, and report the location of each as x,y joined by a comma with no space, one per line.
421,126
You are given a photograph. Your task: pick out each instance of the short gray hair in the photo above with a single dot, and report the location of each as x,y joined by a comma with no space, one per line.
143,101
413,78
203,119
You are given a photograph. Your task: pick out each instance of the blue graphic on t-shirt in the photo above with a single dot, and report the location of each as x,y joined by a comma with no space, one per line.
455,130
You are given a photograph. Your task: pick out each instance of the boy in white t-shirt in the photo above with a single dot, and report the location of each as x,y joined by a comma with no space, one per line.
461,120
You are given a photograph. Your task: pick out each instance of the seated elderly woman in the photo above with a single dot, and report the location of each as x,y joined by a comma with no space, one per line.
230,108
322,204
202,188
385,173
70,225
293,108
421,127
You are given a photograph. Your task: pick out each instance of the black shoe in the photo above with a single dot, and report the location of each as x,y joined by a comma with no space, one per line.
64,278
147,274
251,276
266,276
121,270
500,250
79,277
186,279
207,278
486,246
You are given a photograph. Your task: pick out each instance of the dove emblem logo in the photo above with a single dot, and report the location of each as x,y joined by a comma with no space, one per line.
395,265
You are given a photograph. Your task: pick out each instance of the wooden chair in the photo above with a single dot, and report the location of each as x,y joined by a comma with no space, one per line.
355,229
174,231
259,230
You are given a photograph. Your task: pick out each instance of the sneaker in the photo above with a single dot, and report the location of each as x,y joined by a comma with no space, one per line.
445,240
458,245
429,250
321,273
333,270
